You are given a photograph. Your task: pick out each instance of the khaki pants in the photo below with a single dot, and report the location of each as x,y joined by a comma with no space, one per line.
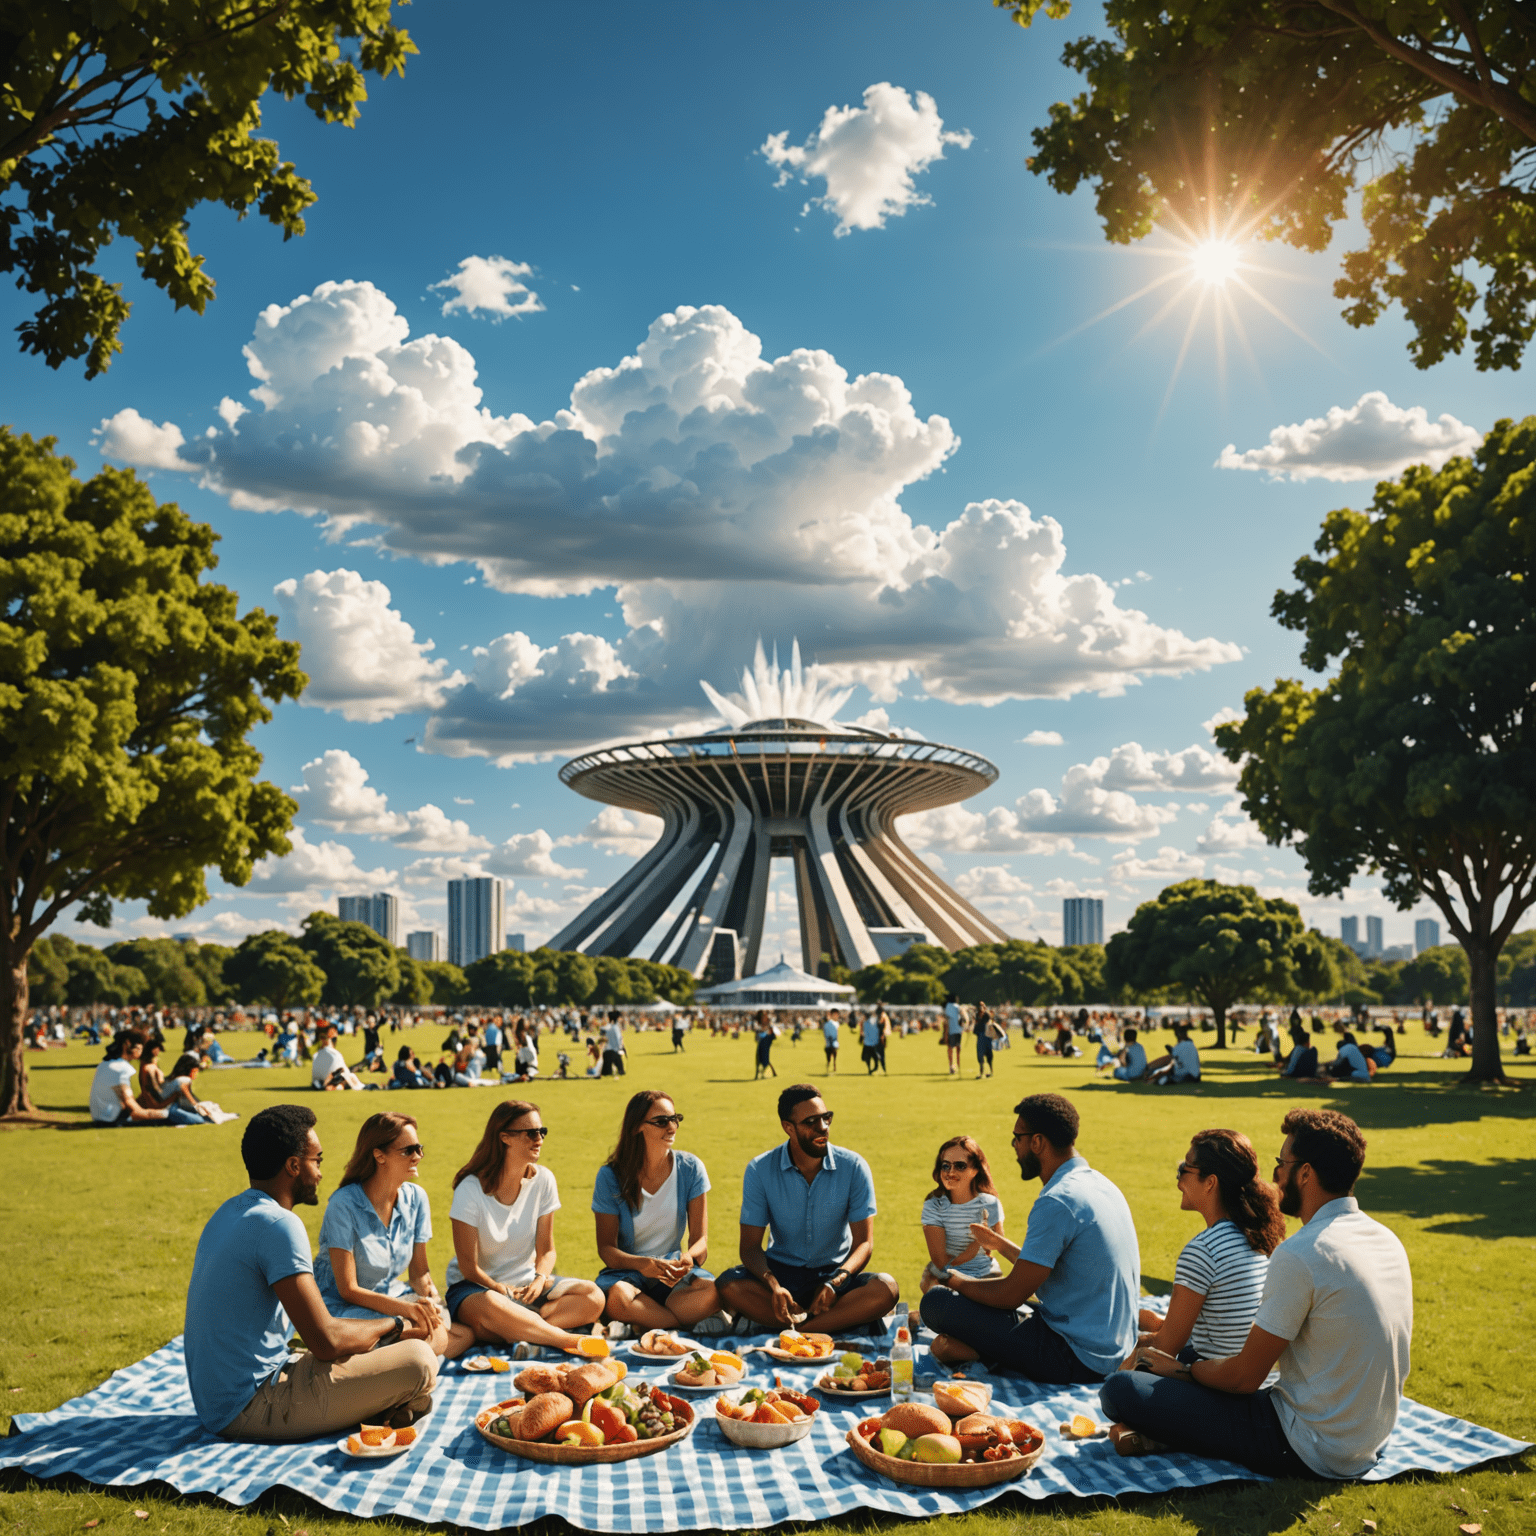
325,1397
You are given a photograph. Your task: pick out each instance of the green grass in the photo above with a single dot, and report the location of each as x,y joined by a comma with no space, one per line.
101,1226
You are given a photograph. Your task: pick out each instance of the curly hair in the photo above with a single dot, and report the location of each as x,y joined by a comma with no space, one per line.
1050,1115
1331,1143
1249,1202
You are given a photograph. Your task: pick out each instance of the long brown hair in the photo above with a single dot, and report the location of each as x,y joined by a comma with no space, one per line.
628,1157
490,1157
982,1183
375,1133
1250,1202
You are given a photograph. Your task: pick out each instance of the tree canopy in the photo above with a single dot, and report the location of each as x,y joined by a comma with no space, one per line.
273,967
1413,759
361,967
128,687
120,119
1232,118
1220,943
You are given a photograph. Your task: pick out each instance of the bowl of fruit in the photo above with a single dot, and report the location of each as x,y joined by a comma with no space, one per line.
916,1444
764,1418
615,1423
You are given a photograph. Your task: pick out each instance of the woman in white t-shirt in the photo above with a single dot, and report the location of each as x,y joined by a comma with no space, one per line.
1219,1279
963,1200
651,1206
501,1279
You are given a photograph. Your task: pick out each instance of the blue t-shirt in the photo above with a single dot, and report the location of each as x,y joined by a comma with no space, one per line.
236,1332
381,1257
1081,1228
608,1199
808,1222
829,1032
871,1030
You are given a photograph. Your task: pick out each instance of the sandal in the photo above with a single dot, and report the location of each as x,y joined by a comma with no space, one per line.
1131,1442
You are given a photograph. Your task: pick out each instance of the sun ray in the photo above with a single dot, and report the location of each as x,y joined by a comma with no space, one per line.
1280,315
1104,314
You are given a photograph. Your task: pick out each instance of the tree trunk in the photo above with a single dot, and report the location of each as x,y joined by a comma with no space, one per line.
14,996
1487,1064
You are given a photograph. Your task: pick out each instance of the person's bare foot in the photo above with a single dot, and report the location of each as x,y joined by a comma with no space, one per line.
948,1351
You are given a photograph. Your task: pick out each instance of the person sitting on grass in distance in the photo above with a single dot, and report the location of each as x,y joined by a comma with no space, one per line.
1181,1064
525,1059
253,1267
1350,1065
409,1072
819,1201
1336,1316
176,1090
1133,1058
112,1100
501,1279
1220,1274
1385,1053
963,1198
1079,1259
1301,1064
651,1205
376,1227
152,1094
327,1069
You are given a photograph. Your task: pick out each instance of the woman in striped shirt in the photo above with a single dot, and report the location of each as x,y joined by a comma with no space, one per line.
963,1205
1219,1278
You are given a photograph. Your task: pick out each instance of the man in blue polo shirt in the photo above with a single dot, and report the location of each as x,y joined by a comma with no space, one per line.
819,1201
1080,1261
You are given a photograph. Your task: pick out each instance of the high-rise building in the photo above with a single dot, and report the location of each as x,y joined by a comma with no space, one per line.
1349,931
518,942
1082,920
477,924
426,945
1426,934
380,911
1373,938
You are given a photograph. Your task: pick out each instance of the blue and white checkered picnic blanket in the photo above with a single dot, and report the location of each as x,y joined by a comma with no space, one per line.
138,1427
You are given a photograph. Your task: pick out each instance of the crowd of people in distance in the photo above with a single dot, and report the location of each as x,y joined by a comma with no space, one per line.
159,1100
1286,1355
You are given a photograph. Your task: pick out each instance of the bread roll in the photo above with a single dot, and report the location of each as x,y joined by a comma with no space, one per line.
546,1412
958,1398
536,1379
914,1419
579,1382
980,1424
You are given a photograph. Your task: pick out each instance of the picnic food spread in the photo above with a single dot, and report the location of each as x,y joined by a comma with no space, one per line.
853,1373
920,1436
767,1405
805,1346
659,1342
618,1415
720,1368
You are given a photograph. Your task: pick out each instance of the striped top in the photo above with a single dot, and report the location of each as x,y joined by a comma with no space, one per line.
1219,1265
941,1211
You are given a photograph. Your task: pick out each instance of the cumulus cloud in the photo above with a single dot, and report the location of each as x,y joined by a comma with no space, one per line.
990,880
1130,766
726,496
628,833
134,439
362,658
336,793
1370,440
957,830
529,853
1041,739
490,285
1230,831
314,869
1167,866
868,156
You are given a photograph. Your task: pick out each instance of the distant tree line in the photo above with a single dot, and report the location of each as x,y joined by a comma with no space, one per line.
333,963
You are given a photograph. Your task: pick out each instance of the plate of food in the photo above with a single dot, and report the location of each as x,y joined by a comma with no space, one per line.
658,1344
479,1363
796,1348
615,1423
705,1370
764,1418
854,1377
376,1442
907,1445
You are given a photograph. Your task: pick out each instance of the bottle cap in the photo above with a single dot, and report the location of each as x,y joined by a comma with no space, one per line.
902,1336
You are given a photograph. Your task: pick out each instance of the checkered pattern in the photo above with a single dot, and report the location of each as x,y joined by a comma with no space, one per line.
138,1426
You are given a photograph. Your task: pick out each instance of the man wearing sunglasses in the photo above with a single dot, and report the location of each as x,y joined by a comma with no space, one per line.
819,1201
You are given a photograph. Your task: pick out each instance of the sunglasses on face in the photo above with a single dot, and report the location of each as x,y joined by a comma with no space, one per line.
811,1121
954,1167
414,1150
661,1122
1183,1168
533,1133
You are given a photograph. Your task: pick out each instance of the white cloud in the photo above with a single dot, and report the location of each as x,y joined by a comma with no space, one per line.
867,156
1167,866
1086,808
1131,766
1370,440
990,880
629,833
362,658
1041,739
490,285
1223,716
957,830
336,793
134,439
1230,831
529,853
430,871
314,870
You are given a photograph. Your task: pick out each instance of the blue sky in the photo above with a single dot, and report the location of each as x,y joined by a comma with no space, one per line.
837,368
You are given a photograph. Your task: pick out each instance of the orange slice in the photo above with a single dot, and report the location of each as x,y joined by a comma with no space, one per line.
725,1357
354,1445
500,1366
1082,1426
593,1347
376,1436
405,1437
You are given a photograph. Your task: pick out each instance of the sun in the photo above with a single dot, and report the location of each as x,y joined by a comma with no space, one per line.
1215,262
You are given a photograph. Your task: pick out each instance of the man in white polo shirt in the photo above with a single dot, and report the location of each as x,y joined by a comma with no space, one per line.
1336,1315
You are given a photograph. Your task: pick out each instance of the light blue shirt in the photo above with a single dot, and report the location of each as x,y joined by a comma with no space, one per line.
1351,1057
871,1029
608,1200
1081,1229
236,1333
829,1032
808,1222
1135,1059
381,1257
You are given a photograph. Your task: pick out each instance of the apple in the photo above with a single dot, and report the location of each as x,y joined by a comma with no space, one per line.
940,1449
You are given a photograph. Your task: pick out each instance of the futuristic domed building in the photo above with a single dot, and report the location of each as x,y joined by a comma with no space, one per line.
780,779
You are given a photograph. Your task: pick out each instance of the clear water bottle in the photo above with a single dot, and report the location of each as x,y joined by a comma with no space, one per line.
901,1366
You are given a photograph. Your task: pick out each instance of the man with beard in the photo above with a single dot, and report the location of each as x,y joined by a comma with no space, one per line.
820,1202
1337,1316
253,1264
1079,1260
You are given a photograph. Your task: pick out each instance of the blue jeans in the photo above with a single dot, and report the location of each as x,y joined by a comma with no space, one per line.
174,1115
1004,1340
1189,1417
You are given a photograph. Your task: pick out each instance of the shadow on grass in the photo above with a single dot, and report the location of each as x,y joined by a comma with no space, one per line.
1478,1199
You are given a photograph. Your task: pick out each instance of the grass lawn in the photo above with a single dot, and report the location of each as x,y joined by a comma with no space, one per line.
101,1226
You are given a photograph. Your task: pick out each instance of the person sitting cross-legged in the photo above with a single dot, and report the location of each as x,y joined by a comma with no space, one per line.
819,1201
1301,1064
1133,1058
1181,1064
1336,1315
252,1266
1079,1259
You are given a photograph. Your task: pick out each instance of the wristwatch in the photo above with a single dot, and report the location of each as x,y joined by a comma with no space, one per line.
393,1337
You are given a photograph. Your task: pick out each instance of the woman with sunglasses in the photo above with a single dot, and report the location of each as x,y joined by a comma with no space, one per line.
963,1198
501,1280
376,1226
651,1207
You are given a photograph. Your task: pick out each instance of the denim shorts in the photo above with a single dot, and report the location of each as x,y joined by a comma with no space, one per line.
658,1290
802,1282
461,1290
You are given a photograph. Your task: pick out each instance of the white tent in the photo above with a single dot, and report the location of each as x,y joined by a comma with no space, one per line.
781,986
661,1005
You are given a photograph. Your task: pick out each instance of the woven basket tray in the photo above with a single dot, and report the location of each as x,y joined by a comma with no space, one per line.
580,1455
956,1474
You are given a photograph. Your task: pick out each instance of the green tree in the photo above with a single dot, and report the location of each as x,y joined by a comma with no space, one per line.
119,119
1217,944
128,687
1517,970
90,977
415,984
274,968
502,980
1414,757
361,967
576,976
448,983
614,987
1256,117
170,981
47,973
1440,975
208,961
